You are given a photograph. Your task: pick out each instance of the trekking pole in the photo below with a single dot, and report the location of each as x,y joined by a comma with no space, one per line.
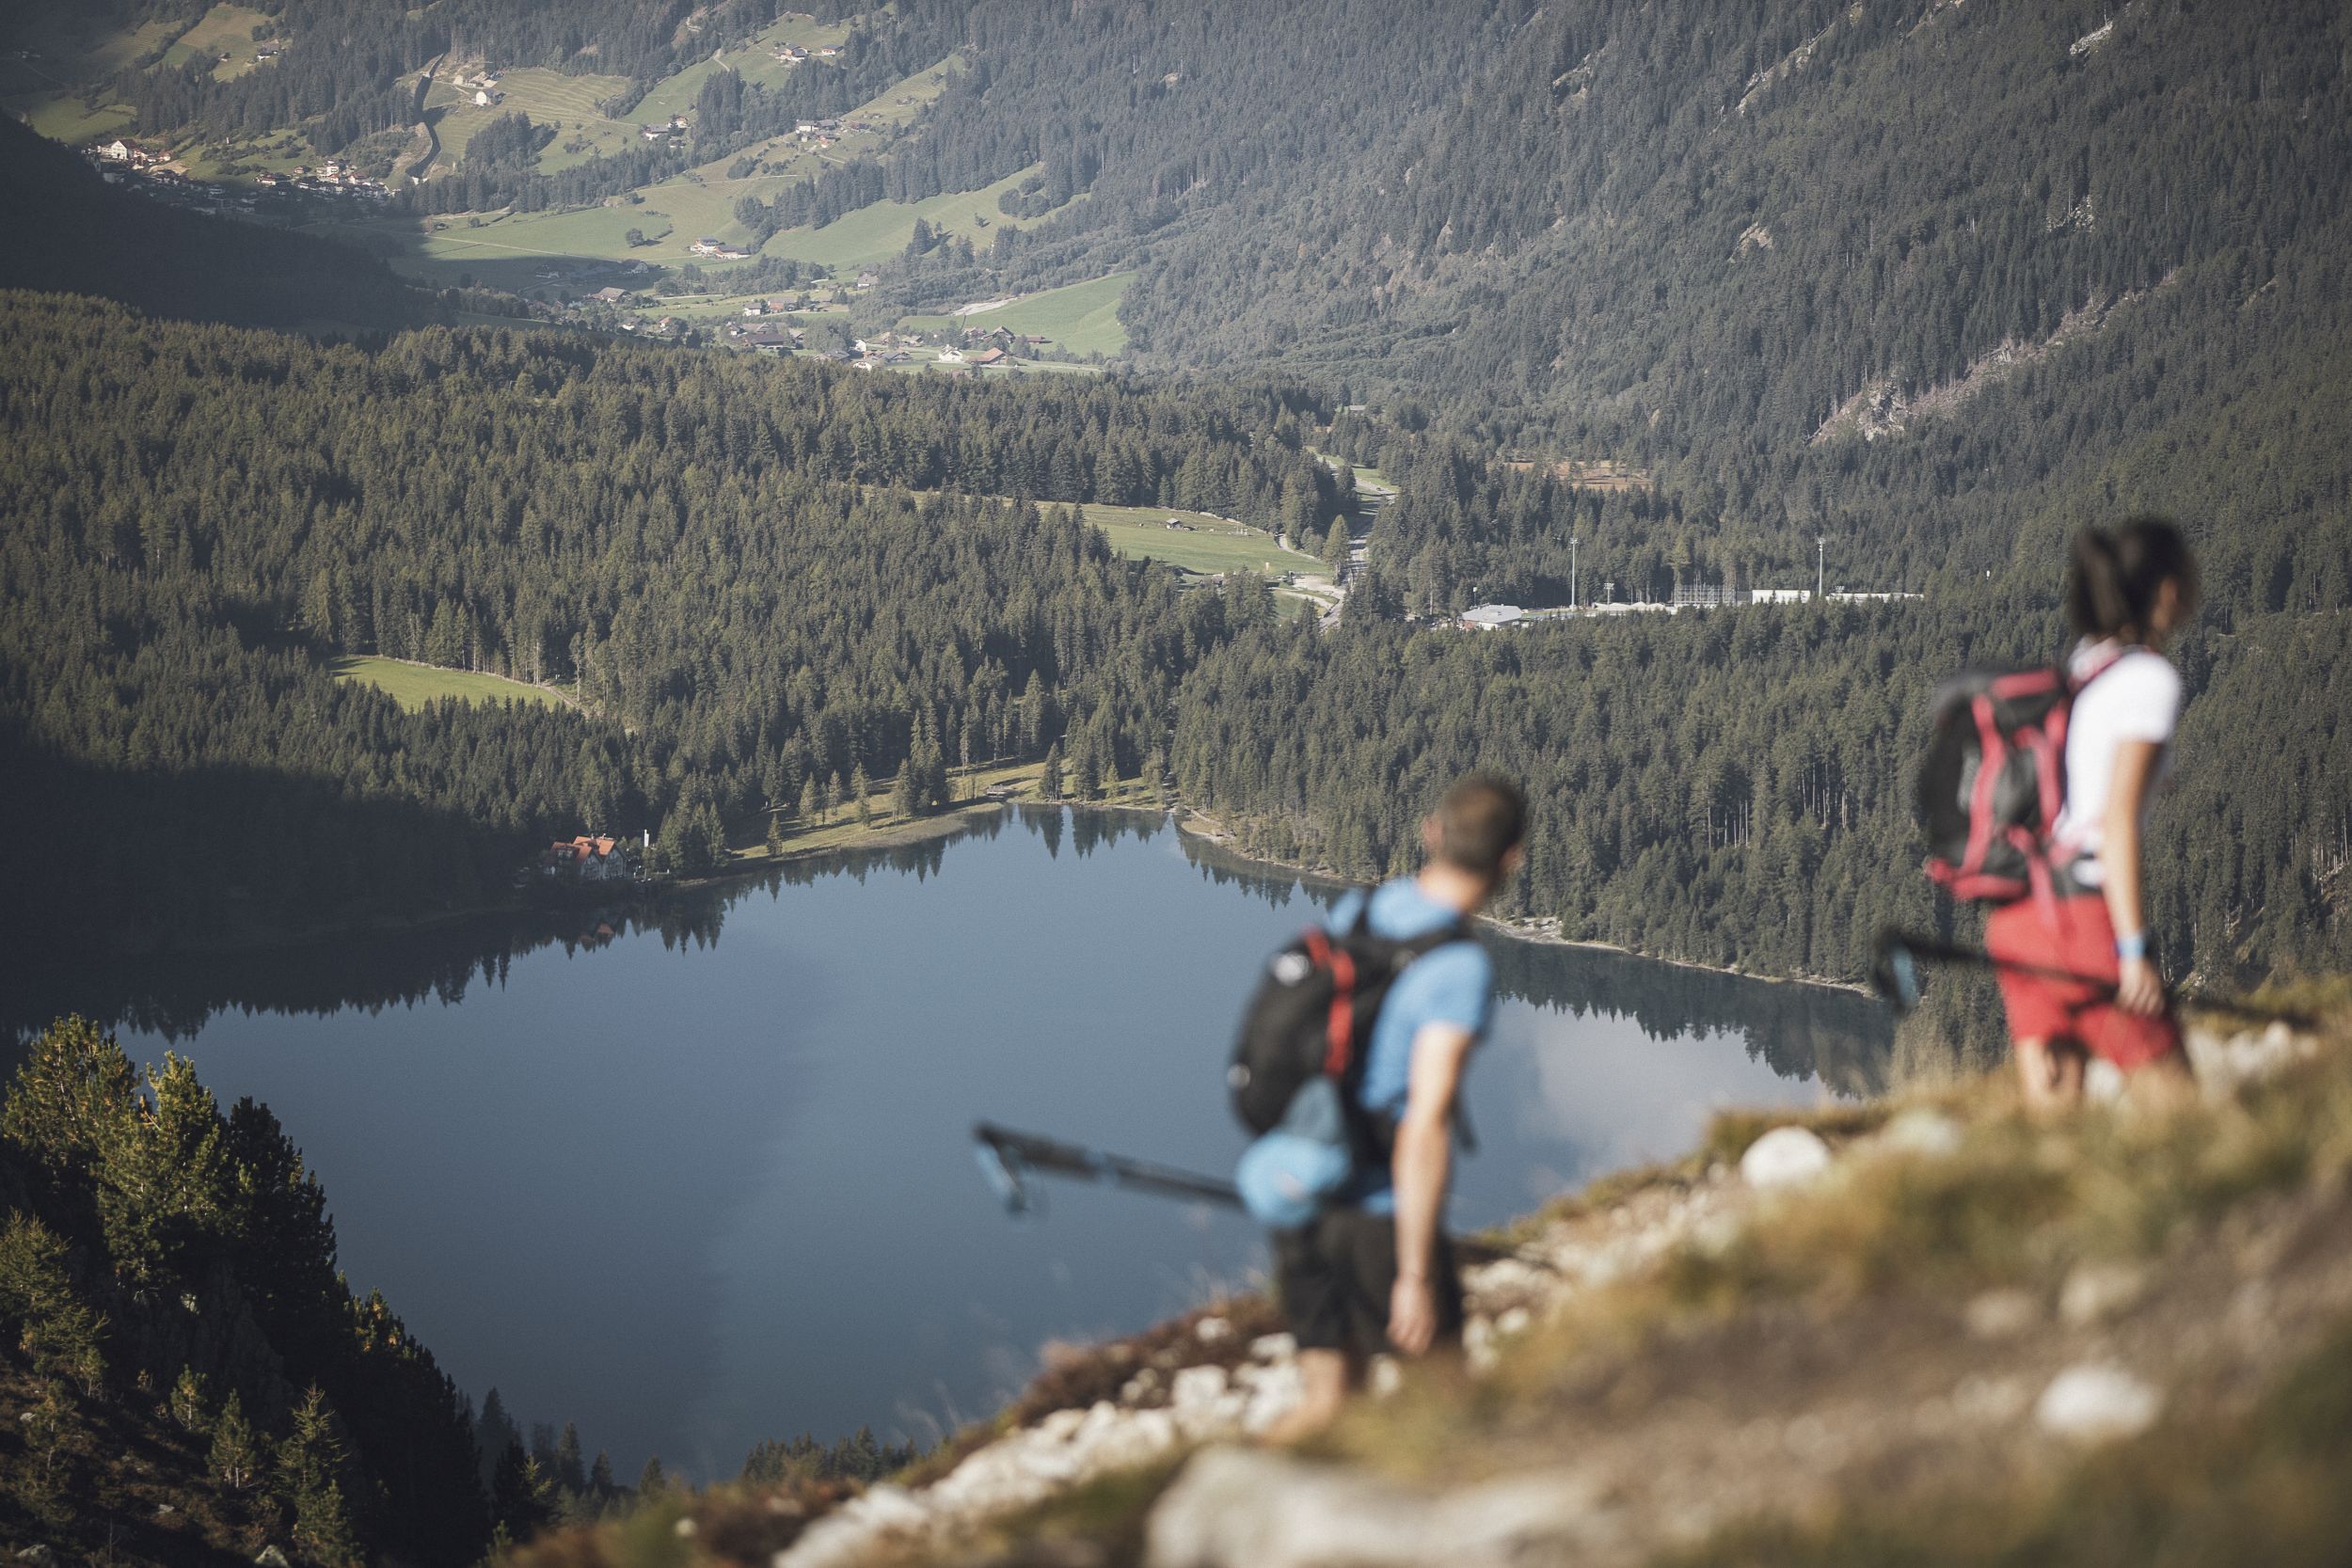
1896,955
1008,1157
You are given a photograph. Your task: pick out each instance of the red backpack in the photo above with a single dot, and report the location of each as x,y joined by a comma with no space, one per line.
1993,782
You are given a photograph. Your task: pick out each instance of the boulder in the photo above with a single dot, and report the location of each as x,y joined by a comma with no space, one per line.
1785,1157
2097,1403
1921,1132
1237,1509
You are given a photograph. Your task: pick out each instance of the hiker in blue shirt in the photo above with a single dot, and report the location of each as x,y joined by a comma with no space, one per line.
1373,1271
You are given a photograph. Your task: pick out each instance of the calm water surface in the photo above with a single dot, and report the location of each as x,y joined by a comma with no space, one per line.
706,1180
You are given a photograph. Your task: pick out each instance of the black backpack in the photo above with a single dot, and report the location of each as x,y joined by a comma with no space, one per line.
1993,780
1312,1015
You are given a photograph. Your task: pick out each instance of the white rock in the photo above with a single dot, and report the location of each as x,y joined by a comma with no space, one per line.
1099,1418
1058,1426
1929,1134
1195,1386
683,1529
1478,1344
852,1532
1784,1156
2095,1403
1277,1392
1384,1376
1503,1277
1513,1322
2096,1291
1272,1347
1210,1330
1231,1509
2103,1081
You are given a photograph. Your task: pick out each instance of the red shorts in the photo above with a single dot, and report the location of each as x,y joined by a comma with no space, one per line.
2072,934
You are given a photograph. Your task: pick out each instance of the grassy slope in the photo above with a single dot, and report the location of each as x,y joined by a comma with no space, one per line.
548,97
1205,545
702,201
1082,317
226,29
49,90
415,685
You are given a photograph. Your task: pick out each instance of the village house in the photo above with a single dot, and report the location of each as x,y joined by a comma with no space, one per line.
609,295
990,357
724,249
951,356
583,858
483,98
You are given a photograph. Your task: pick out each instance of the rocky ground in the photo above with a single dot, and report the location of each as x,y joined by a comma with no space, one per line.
1798,1326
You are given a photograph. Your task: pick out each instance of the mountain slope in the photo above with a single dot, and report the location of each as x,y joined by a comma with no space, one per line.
75,233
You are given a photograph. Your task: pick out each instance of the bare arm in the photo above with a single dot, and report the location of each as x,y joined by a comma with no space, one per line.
1420,1163
2138,988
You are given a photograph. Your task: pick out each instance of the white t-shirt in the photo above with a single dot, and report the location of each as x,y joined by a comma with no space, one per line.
2136,698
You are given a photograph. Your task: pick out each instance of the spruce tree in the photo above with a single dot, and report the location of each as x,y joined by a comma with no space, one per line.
861,795
236,1451
1049,783
311,1463
651,1482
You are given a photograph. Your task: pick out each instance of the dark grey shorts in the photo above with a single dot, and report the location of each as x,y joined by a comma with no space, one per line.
1334,1278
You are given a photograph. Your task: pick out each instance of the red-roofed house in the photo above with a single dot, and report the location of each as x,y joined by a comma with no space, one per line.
586,860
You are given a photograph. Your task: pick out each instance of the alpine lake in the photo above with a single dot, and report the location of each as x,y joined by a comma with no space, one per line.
702,1176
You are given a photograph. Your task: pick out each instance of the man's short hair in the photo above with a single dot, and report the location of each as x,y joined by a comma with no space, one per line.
1480,820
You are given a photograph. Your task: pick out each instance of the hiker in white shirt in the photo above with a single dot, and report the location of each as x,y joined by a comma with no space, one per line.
2130,588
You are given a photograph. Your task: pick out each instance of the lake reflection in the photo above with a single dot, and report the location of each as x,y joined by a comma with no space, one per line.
703,1180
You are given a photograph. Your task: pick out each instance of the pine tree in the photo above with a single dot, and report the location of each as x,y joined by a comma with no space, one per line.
236,1451
651,1481
1049,783
311,1463
187,1403
600,1477
776,836
861,795
569,1471
812,802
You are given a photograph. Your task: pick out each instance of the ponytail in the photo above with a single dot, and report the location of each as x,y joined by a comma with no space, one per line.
2117,574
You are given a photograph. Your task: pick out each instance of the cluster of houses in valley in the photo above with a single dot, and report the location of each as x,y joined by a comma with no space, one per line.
724,250
792,54
677,126
162,174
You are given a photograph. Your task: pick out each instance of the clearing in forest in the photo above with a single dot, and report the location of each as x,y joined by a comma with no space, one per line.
413,686
1203,543
1081,318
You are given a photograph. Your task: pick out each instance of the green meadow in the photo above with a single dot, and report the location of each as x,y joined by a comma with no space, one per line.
413,686
1204,543
1083,318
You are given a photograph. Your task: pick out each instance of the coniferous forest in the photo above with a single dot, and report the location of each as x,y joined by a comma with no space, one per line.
1624,300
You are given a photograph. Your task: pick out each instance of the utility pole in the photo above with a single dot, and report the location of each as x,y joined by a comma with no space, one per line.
1820,566
1571,571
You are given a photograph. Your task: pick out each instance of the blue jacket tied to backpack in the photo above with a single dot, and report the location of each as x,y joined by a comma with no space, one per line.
1307,1162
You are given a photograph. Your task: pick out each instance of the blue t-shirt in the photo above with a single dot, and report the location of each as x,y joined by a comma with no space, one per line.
1452,984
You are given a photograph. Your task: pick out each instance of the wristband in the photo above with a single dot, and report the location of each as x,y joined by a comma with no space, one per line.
2133,949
